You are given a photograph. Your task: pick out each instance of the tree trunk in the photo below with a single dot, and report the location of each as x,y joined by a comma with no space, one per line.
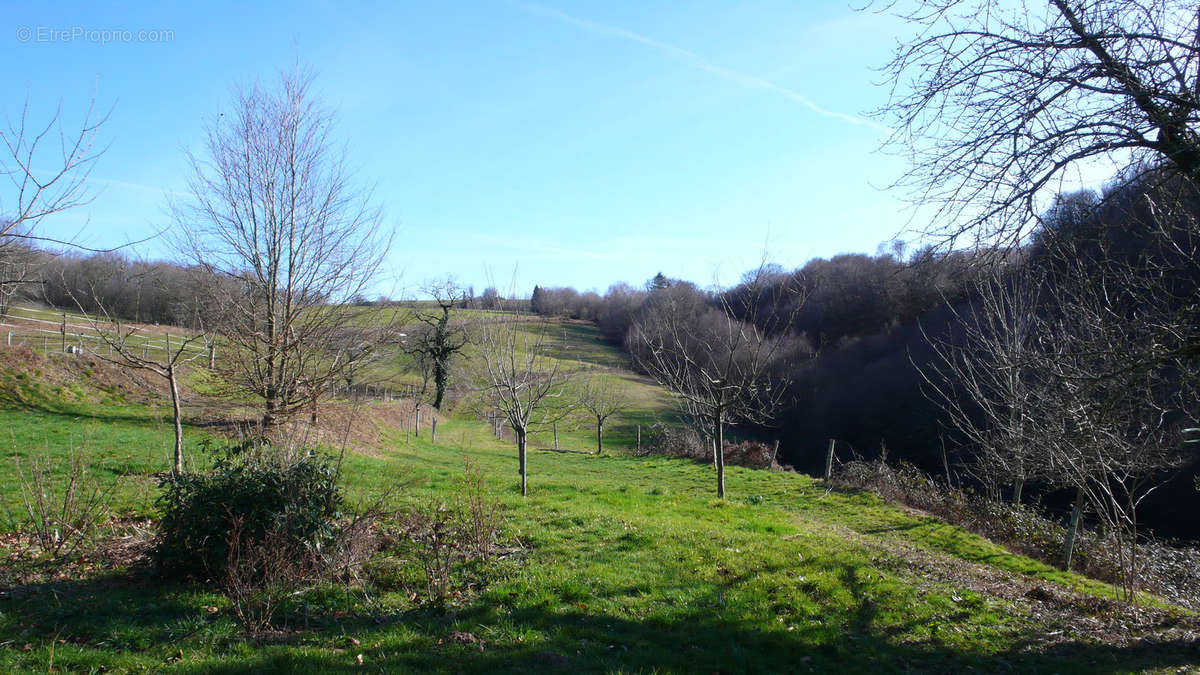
178,464
440,377
270,411
521,457
1018,487
270,390
599,436
719,454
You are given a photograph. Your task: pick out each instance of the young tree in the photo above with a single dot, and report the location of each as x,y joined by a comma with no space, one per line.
128,346
275,210
721,369
519,379
996,104
602,397
987,380
1119,395
436,342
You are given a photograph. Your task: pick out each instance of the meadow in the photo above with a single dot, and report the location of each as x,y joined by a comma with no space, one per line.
613,563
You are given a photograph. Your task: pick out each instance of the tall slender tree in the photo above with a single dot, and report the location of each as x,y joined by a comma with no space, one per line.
275,209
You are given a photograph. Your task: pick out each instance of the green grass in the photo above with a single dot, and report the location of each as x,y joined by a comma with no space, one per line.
628,565
631,565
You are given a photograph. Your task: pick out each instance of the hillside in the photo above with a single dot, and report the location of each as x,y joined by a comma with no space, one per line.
614,563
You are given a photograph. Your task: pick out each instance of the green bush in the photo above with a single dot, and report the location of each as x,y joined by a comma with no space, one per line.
253,491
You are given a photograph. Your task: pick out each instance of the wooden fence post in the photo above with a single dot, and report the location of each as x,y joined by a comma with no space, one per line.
639,438
433,431
829,460
1072,530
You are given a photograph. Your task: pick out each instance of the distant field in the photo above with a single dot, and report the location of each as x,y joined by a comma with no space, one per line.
42,329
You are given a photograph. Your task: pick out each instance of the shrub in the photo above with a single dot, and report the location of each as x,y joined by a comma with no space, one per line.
665,439
451,545
751,454
261,572
252,492
59,514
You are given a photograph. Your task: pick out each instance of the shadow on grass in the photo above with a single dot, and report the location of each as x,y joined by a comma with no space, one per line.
140,616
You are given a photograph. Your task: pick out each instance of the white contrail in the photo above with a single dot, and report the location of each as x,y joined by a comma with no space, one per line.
744,79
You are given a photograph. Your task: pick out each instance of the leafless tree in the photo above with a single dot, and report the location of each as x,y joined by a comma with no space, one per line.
986,379
997,104
437,340
1120,398
520,379
602,396
1060,372
127,346
275,210
17,266
722,370
46,167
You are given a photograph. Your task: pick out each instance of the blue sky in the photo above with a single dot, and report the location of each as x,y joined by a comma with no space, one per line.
578,144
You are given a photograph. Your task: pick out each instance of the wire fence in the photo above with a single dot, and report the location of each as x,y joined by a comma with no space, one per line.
77,334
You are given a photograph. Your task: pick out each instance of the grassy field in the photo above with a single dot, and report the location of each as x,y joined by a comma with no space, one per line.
621,564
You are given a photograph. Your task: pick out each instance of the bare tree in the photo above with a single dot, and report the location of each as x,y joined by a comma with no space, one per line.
721,369
998,104
602,397
520,379
17,265
275,210
986,379
1059,372
1114,416
128,346
435,343
46,167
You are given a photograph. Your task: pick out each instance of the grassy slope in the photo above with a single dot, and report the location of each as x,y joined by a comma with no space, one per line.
631,565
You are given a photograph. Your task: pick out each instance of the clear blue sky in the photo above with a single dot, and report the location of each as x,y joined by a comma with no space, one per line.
580,144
